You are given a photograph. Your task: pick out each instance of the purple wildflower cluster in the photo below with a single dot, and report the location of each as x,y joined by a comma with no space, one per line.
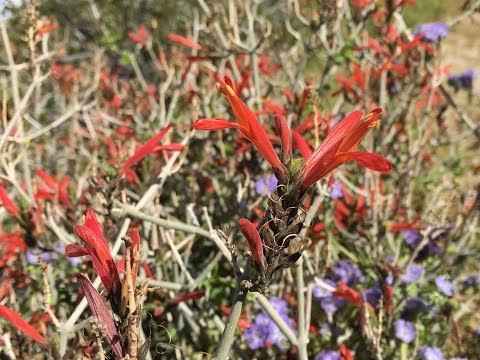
266,185
264,331
432,31
405,331
336,190
348,273
463,80
329,303
444,286
412,274
430,353
328,355
411,237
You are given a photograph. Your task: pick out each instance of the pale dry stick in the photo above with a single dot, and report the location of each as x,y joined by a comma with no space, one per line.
11,65
7,346
308,308
189,315
161,284
185,242
75,109
355,189
10,177
296,7
302,334
131,304
26,65
16,118
289,26
175,225
473,8
177,256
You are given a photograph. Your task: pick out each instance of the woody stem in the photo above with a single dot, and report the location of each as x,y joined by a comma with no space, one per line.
229,332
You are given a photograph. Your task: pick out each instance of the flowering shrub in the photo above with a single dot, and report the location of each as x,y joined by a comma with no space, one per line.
167,175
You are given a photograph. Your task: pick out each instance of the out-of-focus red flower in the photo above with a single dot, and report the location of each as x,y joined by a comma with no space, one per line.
7,203
97,248
21,324
247,123
184,41
345,353
52,188
346,292
46,28
144,150
140,37
340,146
11,243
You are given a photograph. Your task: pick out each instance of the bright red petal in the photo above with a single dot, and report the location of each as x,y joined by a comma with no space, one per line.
146,149
8,203
216,124
170,147
21,324
49,180
371,161
92,223
327,149
184,41
254,241
74,250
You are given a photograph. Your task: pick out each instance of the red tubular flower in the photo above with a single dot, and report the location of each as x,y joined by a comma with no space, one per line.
254,241
345,353
346,292
247,123
8,203
184,41
97,247
99,310
340,146
285,136
21,324
150,146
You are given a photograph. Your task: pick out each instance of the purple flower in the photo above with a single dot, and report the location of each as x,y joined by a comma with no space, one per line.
330,329
321,291
265,330
413,273
328,355
472,281
336,191
389,279
330,304
373,296
463,80
443,285
413,307
32,256
347,273
431,353
432,31
411,237
405,331
266,185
